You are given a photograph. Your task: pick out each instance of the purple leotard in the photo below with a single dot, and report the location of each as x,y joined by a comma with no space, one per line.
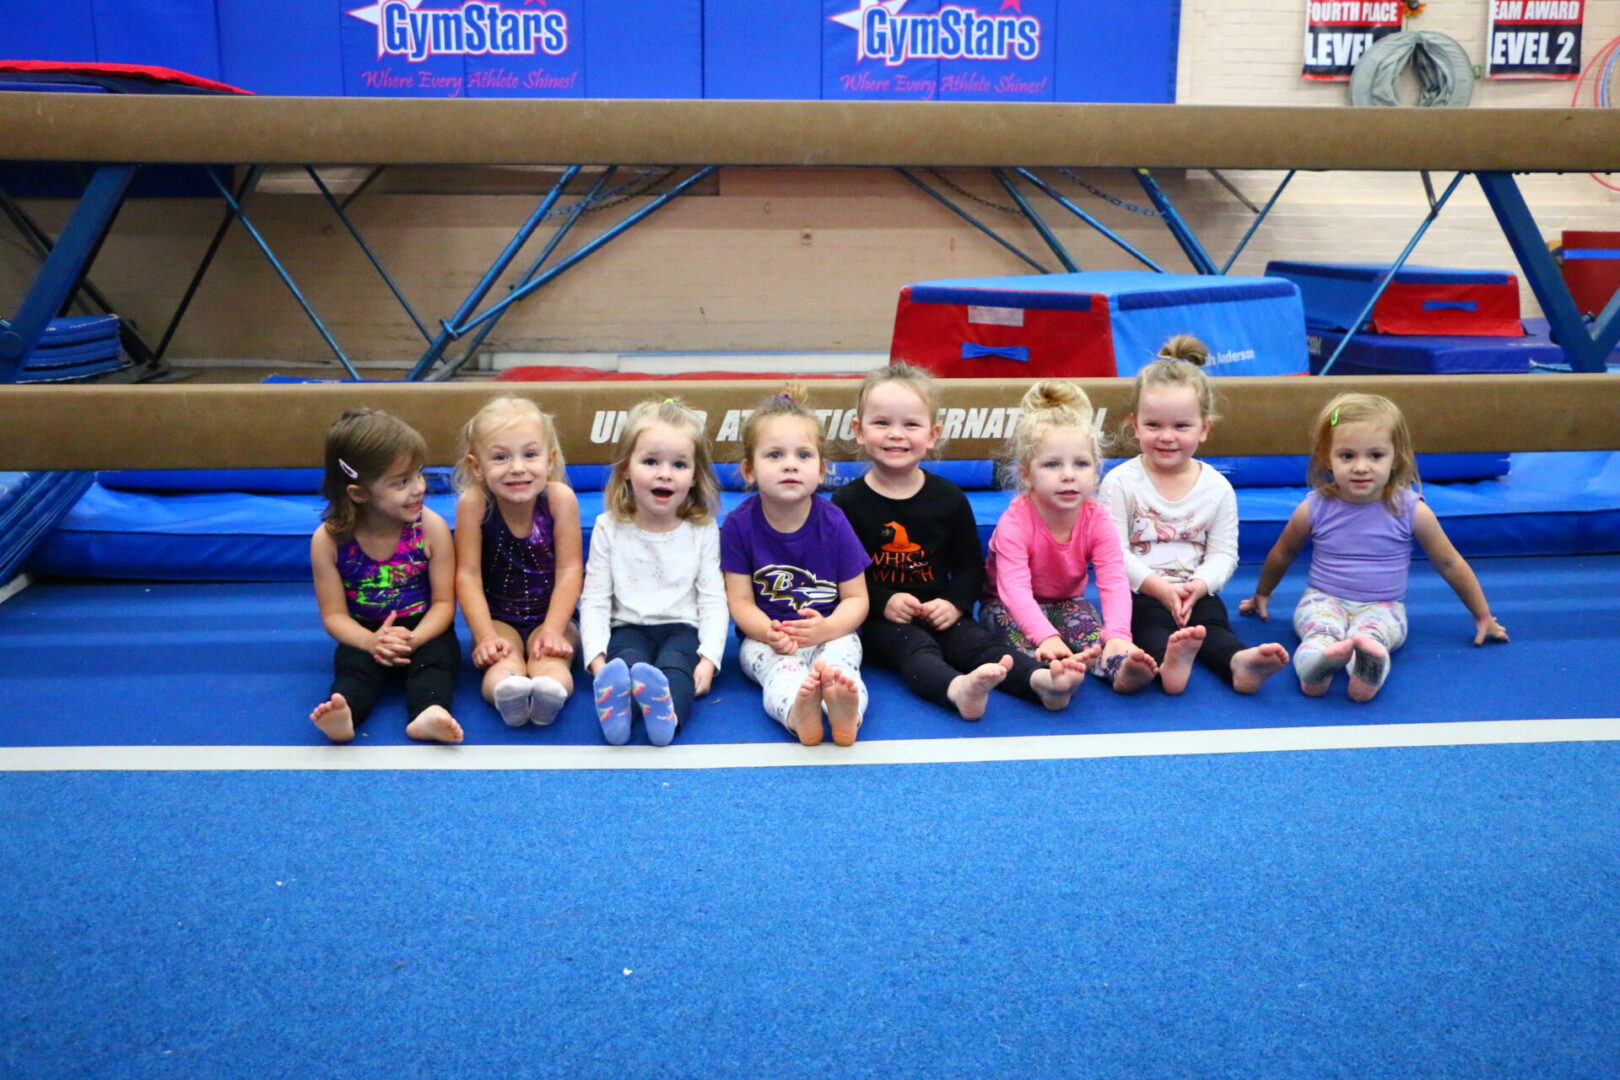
398,584
519,573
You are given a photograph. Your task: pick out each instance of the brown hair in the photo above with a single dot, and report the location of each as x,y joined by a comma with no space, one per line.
361,446
1363,409
1180,363
497,414
704,496
789,403
915,379
1050,403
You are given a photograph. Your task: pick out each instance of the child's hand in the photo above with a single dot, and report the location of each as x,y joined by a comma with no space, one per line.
703,676
1188,593
390,644
1488,629
941,614
490,650
549,643
807,630
1157,588
902,608
780,641
1052,649
1254,605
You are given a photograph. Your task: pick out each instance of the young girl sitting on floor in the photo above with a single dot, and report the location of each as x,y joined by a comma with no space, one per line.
795,577
385,579
653,597
1178,525
1361,518
1048,535
926,571
518,556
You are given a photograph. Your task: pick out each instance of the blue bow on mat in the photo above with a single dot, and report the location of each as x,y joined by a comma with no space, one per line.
970,351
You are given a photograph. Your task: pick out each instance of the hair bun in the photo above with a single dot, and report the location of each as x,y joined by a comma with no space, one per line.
1058,395
1185,347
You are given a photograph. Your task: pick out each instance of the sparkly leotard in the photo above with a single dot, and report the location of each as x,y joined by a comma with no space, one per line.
399,584
519,573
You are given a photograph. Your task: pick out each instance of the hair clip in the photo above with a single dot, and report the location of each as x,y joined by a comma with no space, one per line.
1333,421
672,401
786,399
347,470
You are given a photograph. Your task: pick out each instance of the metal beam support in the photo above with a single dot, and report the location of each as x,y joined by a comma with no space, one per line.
1109,234
65,267
970,219
376,263
243,190
1036,220
281,272
452,328
1585,349
1378,291
1255,224
1195,252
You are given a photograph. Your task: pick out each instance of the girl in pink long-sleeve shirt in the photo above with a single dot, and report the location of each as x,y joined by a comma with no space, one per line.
1037,574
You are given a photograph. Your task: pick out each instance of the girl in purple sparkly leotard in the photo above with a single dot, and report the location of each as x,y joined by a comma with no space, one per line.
519,559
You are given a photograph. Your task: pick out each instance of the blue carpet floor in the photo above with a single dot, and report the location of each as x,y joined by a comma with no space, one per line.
1431,913
167,664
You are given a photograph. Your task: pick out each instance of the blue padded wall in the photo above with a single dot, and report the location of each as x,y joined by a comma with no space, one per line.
282,47
749,57
1114,52
179,34
50,30
644,49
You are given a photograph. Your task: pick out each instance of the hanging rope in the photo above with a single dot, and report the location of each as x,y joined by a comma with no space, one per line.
1443,70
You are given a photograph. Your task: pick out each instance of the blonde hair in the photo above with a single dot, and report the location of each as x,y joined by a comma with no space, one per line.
791,402
1363,409
1180,363
361,446
498,414
704,496
915,379
1048,405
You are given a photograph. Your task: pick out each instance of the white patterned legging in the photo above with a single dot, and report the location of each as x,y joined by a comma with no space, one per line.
781,675
1320,620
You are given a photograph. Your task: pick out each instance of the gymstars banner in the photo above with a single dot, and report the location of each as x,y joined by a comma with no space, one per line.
1535,39
479,48
1337,32
971,50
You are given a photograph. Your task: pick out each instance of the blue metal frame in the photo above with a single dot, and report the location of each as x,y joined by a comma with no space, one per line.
1036,220
66,265
970,219
1383,283
1059,198
243,190
1255,224
376,263
1586,349
1194,250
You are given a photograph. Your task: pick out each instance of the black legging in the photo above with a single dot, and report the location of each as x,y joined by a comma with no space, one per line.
1152,624
928,659
430,677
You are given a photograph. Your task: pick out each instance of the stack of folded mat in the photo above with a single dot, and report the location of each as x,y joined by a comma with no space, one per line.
74,349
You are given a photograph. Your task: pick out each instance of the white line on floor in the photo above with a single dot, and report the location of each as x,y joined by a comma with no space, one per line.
763,755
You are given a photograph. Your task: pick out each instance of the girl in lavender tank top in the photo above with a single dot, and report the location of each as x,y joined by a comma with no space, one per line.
519,559
1361,517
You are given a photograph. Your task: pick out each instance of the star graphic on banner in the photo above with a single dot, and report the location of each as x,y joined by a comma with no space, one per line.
853,19
373,14
1016,5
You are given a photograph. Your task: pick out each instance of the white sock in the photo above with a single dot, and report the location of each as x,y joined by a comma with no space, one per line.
512,699
546,700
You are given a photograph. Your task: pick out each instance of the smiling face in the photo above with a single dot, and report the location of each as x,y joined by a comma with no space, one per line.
1062,472
396,495
786,465
1170,426
1361,459
513,462
896,428
660,474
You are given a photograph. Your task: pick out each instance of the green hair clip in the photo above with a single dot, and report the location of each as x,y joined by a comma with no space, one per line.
1333,421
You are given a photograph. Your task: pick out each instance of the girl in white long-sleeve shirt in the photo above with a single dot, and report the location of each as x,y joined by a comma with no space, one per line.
652,616
1178,525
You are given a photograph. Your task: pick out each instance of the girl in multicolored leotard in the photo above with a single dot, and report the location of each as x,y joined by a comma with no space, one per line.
519,557
385,578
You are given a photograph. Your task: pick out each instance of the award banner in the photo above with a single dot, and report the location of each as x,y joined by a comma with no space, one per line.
1534,39
1337,32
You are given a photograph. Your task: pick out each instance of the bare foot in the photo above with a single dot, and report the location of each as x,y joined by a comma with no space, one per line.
332,716
1334,657
1057,682
1368,667
434,724
1252,667
1178,658
1135,672
970,692
804,715
843,704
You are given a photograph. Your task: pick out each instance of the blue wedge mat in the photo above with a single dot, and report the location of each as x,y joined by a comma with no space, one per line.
31,505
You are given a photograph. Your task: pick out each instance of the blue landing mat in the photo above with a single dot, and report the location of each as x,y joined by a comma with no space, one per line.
243,664
1445,914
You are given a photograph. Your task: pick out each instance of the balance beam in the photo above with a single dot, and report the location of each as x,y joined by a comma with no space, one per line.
239,427
231,130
